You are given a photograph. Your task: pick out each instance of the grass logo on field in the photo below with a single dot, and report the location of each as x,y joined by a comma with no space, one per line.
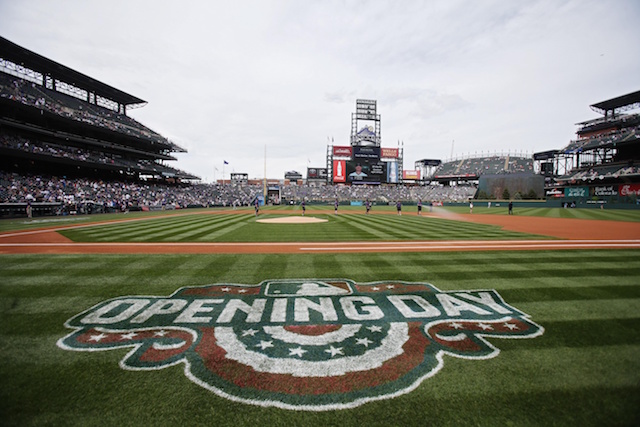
309,344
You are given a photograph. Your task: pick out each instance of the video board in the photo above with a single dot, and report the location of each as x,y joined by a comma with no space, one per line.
366,171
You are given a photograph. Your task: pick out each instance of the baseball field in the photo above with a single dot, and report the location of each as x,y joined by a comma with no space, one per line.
152,318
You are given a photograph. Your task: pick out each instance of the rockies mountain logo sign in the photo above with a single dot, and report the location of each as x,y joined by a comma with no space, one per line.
309,344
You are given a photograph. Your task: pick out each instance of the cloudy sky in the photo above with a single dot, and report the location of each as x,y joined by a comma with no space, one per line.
227,79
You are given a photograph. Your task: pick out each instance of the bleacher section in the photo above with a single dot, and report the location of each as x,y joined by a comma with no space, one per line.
603,140
601,172
44,129
474,167
29,93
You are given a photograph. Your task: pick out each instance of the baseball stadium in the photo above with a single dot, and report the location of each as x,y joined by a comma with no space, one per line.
493,289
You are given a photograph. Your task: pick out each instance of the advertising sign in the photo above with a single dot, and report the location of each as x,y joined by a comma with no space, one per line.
609,190
339,171
342,151
390,153
629,190
366,152
411,174
317,173
555,192
576,192
366,171
392,172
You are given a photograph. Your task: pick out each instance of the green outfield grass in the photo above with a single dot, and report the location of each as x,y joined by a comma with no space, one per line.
584,370
236,227
479,208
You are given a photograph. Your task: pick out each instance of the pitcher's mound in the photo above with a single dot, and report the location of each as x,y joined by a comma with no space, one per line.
292,220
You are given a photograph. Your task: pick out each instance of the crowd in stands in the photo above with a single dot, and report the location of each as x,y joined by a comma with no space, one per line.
35,95
603,140
90,156
15,188
601,172
378,194
476,166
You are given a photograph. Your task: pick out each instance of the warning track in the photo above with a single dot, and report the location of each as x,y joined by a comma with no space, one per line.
567,234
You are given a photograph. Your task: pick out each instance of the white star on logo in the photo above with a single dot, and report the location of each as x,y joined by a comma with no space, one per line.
297,351
363,341
242,291
511,326
128,336
390,286
455,325
160,333
375,288
375,328
225,289
485,327
265,344
248,332
333,351
97,338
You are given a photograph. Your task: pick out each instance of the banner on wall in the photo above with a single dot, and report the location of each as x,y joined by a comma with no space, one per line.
390,153
339,171
629,190
576,192
411,174
607,190
342,151
392,172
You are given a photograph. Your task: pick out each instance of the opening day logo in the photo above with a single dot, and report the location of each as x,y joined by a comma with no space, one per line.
307,344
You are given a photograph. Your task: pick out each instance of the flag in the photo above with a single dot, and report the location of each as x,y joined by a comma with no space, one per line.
225,162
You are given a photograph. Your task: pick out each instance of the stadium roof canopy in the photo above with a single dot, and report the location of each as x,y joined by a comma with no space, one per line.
619,104
12,52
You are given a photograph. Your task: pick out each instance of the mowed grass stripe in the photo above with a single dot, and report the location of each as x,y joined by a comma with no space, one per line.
116,232
156,233
203,228
159,233
374,229
579,310
470,266
157,230
400,228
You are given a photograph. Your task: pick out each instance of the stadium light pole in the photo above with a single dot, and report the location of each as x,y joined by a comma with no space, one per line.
264,182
